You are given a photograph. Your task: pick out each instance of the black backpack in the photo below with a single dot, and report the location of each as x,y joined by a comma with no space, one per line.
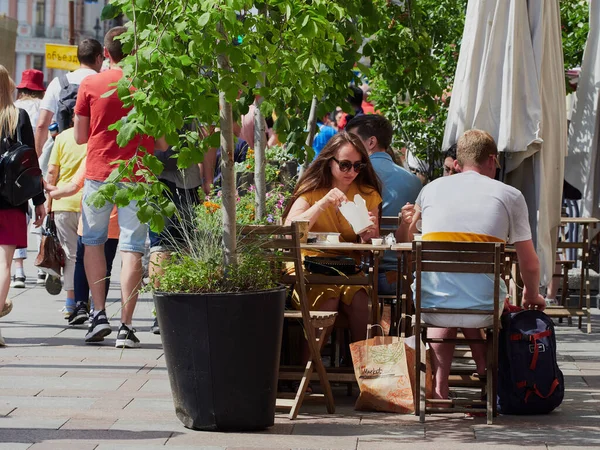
20,174
529,380
65,110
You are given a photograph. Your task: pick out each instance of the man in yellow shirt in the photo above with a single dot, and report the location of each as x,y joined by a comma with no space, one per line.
65,159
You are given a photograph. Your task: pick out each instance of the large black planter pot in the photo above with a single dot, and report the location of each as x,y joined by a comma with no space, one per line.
222,354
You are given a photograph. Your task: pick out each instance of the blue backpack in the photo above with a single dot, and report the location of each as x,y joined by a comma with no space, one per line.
529,380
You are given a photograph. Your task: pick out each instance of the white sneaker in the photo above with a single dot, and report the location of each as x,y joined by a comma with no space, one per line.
551,302
41,279
2,342
18,282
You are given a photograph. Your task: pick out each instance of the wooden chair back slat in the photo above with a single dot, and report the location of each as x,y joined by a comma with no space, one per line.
390,223
457,267
460,256
445,246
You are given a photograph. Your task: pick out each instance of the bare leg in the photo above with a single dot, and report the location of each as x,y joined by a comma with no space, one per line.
358,315
94,262
441,360
478,350
131,281
154,268
553,287
6,255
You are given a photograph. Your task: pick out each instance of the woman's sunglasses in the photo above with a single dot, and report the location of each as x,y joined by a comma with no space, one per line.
346,165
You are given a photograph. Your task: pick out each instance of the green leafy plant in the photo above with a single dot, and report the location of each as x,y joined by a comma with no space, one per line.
205,62
197,266
413,61
574,16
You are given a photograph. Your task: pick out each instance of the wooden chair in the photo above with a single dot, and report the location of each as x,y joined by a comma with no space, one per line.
282,243
457,257
389,224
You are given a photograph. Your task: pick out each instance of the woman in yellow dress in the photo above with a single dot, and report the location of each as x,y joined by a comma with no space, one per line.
341,170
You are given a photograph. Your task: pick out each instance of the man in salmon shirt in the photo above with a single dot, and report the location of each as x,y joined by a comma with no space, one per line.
93,115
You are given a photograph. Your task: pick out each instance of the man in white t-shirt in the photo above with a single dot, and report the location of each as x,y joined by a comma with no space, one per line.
472,206
91,55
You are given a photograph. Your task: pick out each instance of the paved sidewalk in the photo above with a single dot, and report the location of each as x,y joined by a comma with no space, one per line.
59,393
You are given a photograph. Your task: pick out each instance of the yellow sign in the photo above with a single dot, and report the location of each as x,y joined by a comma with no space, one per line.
61,57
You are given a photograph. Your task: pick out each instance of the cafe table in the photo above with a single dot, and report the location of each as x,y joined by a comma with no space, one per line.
370,279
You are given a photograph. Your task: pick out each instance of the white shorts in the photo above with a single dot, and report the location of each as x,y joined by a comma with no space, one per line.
460,320
457,320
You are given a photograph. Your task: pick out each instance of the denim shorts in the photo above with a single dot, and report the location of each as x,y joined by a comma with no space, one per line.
132,237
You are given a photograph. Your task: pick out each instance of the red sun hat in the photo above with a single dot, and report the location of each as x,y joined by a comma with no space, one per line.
33,80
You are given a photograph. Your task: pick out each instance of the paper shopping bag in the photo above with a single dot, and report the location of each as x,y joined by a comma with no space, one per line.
382,374
410,361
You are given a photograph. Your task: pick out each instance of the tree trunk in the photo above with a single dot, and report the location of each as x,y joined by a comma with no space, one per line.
260,144
312,128
227,170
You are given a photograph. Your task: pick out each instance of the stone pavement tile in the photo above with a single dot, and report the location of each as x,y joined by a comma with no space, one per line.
589,365
156,385
107,352
332,419
133,385
29,382
403,419
45,413
62,446
36,362
88,424
149,416
5,410
588,436
151,404
110,446
364,431
428,445
14,446
460,430
9,422
250,448
148,369
112,404
46,402
134,424
11,370
103,370
18,392
262,441
280,428
85,436
99,394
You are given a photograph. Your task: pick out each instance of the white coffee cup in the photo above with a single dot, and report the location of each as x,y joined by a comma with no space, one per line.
417,237
377,241
333,238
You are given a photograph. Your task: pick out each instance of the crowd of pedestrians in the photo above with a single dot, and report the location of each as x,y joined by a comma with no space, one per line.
67,125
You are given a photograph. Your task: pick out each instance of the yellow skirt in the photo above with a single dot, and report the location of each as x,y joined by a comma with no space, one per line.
318,293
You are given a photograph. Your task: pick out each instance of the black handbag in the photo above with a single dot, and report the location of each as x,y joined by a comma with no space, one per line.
20,174
331,265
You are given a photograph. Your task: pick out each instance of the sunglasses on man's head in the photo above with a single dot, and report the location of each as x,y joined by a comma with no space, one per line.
497,161
346,165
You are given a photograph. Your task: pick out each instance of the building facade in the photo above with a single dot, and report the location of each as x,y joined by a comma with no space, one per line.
47,21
